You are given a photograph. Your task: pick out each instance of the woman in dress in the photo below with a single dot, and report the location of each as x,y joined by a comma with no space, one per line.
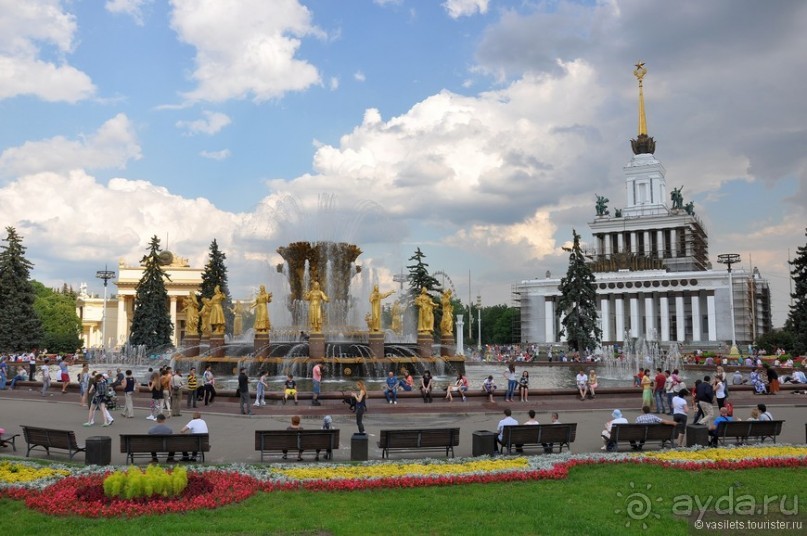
361,404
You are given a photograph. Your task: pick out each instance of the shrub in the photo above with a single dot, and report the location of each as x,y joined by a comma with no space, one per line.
134,484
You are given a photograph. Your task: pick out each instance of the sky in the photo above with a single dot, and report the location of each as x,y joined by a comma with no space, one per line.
477,130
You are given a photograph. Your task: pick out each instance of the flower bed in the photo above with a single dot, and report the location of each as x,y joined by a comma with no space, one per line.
80,492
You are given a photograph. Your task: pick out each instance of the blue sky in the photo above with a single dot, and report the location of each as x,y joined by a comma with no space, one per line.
478,130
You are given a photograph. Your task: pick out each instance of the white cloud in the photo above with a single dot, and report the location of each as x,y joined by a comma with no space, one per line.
465,8
211,124
24,28
132,8
245,48
359,76
333,83
224,154
111,146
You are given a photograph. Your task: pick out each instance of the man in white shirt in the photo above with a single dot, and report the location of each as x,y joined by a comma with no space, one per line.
196,426
507,421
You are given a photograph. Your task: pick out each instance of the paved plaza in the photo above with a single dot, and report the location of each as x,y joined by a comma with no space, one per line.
232,437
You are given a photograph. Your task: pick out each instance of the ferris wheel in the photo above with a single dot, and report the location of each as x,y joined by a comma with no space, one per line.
445,281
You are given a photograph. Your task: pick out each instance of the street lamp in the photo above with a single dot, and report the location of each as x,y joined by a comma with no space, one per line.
106,275
728,259
479,322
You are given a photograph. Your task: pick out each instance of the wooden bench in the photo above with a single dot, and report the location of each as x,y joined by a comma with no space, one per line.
639,434
743,431
296,441
9,439
421,439
49,438
545,436
142,445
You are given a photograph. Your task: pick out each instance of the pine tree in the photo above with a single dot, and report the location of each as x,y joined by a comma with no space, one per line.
578,302
20,326
797,319
215,274
419,277
151,323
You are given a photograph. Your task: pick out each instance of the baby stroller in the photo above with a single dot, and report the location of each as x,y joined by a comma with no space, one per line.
111,399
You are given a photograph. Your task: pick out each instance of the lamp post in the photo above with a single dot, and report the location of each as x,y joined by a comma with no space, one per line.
106,275
479,322
728,259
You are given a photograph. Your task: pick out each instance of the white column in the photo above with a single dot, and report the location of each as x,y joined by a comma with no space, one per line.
605,316
680,319
660,243
549,321
697,329
664,311
711,320
619,318
673,243
649,317
633,242
647,243
173,311
620,242
634,316
606,246
123,321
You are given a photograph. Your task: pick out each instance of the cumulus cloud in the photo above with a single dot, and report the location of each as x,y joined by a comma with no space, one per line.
111,146
224,154
26,27
465,8
132,8
245,49
359,76
210,124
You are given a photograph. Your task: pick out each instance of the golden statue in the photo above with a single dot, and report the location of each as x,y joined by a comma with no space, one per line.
205,314
397,318
315,297
447,323
191,311
238,319
217,321
369,320
260,305
375,308
426,312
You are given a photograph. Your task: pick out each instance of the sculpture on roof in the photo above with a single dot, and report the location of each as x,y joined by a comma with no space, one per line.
677,198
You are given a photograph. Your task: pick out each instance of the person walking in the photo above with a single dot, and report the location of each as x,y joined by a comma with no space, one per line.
129,386
243,392
176,393
193,386
209,385
99,398
156,388
45,377
316,377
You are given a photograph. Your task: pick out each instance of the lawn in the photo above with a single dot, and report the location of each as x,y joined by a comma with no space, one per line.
629,498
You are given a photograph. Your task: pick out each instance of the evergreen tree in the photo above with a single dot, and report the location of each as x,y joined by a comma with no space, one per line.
419,277
797,319
60,323
151,323
20,326
215,273
578,302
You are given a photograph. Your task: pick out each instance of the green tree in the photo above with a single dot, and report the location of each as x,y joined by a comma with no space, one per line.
60,323
20,326
151,323
215,273
419,277
797,319
578,302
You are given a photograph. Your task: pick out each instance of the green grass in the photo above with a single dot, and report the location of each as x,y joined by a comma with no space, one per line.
586,503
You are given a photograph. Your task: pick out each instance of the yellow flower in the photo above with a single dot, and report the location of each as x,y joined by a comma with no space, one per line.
12,473
731,454
399,470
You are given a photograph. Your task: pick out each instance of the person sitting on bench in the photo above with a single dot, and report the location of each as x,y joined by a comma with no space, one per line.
648,418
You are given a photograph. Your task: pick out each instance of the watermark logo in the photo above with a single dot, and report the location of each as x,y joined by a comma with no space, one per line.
638,505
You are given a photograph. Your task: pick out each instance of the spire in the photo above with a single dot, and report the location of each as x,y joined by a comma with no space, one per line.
643,144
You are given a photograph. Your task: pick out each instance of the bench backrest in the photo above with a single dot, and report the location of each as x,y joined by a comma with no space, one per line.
60,439
749,428
296,439
164,442
420,438
539,433
642,432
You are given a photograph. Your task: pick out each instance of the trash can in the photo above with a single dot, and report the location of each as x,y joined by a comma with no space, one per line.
697,434
484,443
358,448
98,450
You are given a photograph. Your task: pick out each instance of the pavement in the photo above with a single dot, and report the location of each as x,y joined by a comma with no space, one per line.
232,437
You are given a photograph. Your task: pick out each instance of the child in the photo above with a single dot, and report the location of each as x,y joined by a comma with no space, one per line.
489,387
290,389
